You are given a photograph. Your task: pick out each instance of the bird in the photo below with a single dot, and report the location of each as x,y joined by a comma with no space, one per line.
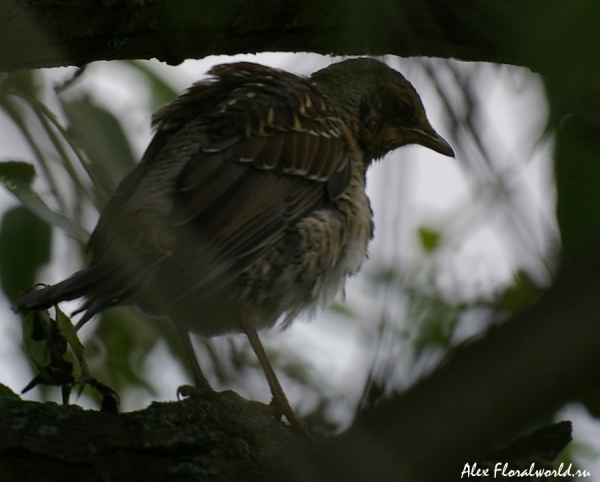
248,206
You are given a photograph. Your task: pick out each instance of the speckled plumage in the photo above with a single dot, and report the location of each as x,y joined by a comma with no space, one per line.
249,205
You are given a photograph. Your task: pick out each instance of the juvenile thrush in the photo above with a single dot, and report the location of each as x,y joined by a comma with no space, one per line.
249,204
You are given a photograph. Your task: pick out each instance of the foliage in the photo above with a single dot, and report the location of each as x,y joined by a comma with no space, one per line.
79,152
80,156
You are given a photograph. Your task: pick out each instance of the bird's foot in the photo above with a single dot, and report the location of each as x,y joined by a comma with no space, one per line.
278,408
191,391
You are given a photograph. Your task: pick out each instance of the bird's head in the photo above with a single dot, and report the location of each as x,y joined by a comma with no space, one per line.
381,107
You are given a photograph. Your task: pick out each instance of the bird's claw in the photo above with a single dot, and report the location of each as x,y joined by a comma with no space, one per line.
190,391
278,408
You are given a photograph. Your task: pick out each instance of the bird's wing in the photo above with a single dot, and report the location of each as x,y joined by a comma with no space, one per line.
260,148
275,152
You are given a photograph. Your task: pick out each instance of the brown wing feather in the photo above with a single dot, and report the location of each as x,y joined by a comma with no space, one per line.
264,149
275,146
246,101
250,214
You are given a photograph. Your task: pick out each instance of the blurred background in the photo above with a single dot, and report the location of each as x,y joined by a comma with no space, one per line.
459,244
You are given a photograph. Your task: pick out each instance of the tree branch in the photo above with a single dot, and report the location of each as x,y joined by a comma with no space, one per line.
58,32
520,372
526,368
221,436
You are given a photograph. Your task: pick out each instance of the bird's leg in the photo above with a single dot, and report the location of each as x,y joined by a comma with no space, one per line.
280,401
200,382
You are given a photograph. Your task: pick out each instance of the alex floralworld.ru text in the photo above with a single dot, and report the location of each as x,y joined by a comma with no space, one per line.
502,470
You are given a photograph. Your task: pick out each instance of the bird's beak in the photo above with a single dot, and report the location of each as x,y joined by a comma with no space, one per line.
429,138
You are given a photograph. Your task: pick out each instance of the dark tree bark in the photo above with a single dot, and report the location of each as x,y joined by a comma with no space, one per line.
58,32
218,437
520,372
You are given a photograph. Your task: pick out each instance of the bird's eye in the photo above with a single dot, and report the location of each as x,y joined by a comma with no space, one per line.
401,110
365,110
369,116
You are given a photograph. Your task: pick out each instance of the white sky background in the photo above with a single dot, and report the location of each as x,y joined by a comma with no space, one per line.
409,188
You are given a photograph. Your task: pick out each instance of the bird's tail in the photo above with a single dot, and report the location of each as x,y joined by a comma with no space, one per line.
74,287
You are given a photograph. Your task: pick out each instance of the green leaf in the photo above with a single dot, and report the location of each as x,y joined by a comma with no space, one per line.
36,325
24,247
101,137
128,337
17,177
344,310
8,393
67,330
433,319
8,398
430,239
25,81
520,294
16,174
